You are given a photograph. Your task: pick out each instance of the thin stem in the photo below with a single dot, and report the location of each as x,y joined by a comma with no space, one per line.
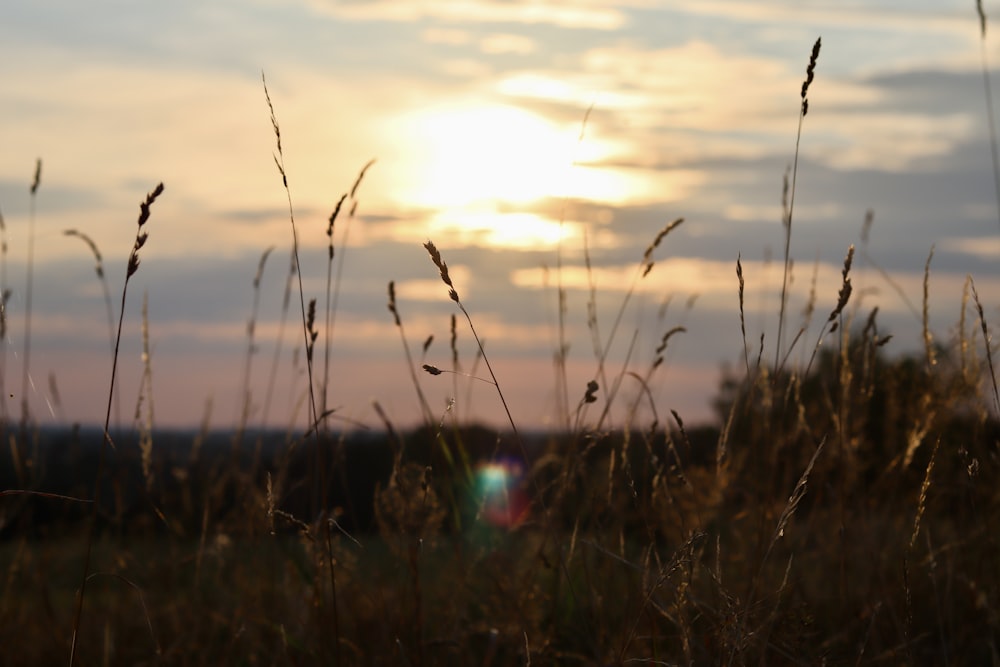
25,368
562,382
425,407
803,110
453,295
4,295
133,266
279,161
272,378
988,90
245,393
108,307
788,245
333,300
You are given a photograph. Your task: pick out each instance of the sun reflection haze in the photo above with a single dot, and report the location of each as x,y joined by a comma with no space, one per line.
469,162
489,227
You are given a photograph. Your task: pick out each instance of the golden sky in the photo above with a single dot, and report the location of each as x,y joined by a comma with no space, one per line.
523,138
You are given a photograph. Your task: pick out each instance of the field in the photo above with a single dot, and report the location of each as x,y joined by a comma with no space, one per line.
844,509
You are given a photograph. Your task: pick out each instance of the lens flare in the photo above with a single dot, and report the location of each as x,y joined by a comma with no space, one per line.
499,491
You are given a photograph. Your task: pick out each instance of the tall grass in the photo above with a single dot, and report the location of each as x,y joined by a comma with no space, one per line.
28,294
108,307
333,285
841,510
141,236
804,109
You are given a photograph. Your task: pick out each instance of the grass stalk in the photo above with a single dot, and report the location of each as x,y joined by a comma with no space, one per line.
425,408
145,413
245,396
331,305
133,265
286,301
562,346
308,318
642,270
987,345
803,110
279,161
108,307
988,94
4,297
28,293
333,295
528,460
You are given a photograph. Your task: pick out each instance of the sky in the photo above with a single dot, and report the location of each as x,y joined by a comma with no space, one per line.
528,140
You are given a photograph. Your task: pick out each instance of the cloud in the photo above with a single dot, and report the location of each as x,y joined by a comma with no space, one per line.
589,15
853,15
501,43
981,247
446,36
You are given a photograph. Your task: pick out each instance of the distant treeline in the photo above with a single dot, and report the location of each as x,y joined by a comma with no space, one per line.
190,478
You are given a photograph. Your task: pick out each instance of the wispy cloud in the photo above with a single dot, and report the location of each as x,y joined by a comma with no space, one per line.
577,15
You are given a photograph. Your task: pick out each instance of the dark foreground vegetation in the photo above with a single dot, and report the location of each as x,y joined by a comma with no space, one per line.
847,516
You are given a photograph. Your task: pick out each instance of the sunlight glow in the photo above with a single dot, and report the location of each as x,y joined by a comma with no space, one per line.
470,162
467,153
522,231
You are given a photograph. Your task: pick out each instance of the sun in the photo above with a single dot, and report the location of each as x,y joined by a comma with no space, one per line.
485,172
470,153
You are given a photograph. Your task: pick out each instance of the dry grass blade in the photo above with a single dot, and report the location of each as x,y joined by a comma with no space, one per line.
361,175
810,73
28,293
5,293
963,339
93,248
145,419
645,266
842,298
528,459
865,235
779,531
286,301
562,345
443,269
142,603
793,502
987,345
42,494
141,234
99,269
988,94
425,408
133,265
845,288
245,396
647,256
279,161
309,334
333,284
922,500
36,181
743,324
925,319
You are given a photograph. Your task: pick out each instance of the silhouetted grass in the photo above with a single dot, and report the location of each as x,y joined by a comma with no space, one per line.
843,509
